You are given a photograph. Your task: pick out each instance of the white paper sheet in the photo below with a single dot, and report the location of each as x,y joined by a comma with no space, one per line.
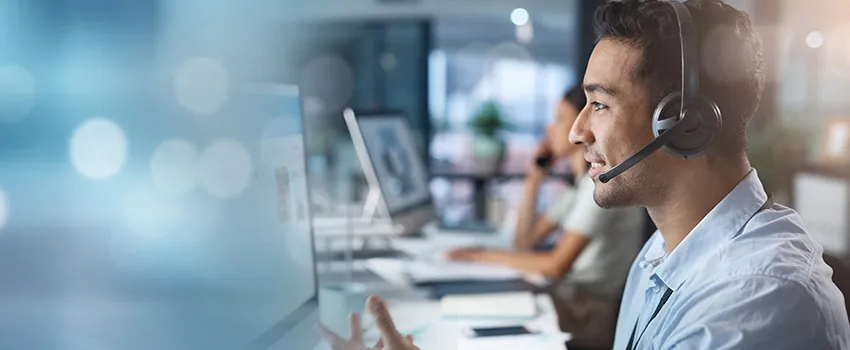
513,305
441,271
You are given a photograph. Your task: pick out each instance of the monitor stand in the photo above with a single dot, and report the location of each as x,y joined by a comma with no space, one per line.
373,211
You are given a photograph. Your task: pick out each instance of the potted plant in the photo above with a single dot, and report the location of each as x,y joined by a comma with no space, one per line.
488,148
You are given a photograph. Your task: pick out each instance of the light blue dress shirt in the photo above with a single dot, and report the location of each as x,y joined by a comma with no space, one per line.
739,281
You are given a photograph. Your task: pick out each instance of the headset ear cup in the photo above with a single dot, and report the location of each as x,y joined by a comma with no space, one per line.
692,142
666,114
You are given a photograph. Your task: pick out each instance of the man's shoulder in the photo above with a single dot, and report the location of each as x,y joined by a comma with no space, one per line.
775,256
774,243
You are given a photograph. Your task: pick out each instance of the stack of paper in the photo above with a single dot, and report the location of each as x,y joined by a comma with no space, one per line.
438,271
513,305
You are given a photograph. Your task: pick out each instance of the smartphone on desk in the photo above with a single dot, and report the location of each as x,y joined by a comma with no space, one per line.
475,332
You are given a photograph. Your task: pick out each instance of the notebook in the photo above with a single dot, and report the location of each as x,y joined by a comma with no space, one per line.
508,305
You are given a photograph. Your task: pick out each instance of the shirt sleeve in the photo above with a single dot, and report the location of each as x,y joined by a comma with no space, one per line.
558,210
586,217
748,312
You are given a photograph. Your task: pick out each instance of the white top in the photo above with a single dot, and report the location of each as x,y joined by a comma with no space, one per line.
616,238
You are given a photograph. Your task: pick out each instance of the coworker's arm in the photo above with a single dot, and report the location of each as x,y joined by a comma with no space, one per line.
584,220
552,264
531,227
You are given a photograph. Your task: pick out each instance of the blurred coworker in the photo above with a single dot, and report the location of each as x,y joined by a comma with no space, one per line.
595,246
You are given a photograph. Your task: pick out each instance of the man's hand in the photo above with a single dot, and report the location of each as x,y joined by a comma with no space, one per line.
391,339
466,254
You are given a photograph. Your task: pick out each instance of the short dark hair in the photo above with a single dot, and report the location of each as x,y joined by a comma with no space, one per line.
730,51
576,97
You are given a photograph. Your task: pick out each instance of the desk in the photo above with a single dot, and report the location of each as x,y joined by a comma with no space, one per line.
415,314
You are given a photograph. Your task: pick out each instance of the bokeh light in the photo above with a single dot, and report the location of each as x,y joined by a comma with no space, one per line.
202,85
722,58
98,148
225,168
814,39
174,167
519,16
17,93
388,62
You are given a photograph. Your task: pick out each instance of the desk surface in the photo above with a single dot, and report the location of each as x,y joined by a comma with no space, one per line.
415,314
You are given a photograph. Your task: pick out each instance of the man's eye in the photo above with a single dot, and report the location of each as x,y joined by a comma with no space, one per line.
598,106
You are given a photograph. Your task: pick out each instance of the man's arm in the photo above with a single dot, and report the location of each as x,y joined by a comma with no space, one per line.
746,312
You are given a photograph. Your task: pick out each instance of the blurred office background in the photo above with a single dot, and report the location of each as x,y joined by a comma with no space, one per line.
148,66
440,62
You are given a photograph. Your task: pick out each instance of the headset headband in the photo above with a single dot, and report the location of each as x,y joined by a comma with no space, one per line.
690,54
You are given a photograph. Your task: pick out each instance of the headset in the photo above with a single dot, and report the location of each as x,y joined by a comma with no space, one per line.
685,122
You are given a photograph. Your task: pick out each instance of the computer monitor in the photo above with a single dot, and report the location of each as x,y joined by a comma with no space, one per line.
157,230
392,165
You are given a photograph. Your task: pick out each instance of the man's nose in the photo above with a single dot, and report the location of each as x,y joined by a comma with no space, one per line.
580,131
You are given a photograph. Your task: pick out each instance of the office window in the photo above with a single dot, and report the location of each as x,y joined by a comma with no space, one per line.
527,92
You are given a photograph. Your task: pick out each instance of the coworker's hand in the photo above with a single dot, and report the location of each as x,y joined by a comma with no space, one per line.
466,254
391,339
544,148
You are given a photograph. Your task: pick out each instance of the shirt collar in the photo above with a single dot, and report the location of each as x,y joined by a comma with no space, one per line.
721,224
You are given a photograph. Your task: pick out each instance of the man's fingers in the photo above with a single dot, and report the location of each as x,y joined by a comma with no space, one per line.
392,338
409,338
355,328
379,345
329,335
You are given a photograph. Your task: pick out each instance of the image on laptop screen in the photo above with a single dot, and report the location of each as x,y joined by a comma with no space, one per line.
397,164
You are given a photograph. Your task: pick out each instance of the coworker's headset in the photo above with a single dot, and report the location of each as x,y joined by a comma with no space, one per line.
685,122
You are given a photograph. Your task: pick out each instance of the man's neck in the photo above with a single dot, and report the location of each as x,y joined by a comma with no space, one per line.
691,198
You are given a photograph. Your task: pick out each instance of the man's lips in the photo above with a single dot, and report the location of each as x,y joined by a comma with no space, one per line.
597,165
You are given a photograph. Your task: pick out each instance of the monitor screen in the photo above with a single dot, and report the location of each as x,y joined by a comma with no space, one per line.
146,228
397,164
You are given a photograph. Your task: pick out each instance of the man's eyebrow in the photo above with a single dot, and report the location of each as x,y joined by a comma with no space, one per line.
596,87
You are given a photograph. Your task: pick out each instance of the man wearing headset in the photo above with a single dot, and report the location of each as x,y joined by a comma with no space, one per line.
727,268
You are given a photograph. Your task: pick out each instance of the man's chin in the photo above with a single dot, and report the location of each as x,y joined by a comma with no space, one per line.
606,199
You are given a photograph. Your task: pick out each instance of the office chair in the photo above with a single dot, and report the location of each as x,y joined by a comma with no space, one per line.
840,276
